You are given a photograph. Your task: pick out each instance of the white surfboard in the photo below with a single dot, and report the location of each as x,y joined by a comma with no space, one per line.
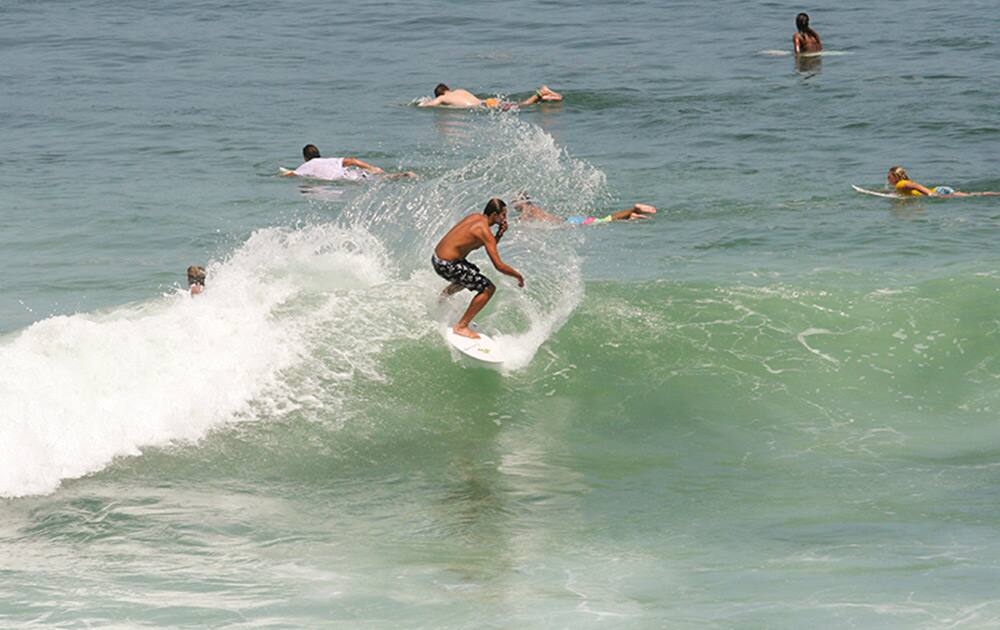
484,349
877,193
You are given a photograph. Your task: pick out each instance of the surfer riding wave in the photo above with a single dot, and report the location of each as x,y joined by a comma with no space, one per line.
449,261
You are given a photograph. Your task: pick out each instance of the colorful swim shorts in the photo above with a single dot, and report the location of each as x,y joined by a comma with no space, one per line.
944,190
461,272
581,220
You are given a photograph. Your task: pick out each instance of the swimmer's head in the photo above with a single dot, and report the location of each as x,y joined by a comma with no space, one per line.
441,89
494,207
196,275
521,200
897,173
310,151
802,22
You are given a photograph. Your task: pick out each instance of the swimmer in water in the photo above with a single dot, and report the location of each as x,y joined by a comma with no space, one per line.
806,40
447,97
532,212
196,279
337,168
902,184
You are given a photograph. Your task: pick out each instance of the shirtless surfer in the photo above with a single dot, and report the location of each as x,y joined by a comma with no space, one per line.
449,261
531,212
447,97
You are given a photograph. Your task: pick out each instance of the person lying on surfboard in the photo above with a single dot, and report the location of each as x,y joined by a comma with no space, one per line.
902,184
449,261
531,212
805,40
334,169
447,97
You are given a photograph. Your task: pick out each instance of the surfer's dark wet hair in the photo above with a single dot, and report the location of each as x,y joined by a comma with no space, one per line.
802,23
310,151
440,89
494,206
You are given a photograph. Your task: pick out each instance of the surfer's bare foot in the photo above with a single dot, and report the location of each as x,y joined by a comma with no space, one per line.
464,331
546,94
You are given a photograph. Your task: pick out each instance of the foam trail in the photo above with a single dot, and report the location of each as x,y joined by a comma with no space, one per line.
78,391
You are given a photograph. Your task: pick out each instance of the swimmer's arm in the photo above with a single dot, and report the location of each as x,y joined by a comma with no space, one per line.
287,173
491,250
358,163
797,43
908,186
434,102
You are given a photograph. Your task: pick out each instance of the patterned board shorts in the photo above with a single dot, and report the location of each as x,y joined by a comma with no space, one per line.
461,272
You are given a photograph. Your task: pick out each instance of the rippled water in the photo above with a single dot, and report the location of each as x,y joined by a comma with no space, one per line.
774,405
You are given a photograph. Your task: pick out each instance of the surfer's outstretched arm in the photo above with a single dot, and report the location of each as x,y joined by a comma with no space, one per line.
364,165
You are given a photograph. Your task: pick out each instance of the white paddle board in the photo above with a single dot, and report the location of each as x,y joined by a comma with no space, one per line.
877,193
484,349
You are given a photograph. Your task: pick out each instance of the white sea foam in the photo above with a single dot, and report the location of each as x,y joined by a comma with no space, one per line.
287,321
77,391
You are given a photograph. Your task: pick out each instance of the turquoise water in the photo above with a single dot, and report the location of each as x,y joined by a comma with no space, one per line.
774,405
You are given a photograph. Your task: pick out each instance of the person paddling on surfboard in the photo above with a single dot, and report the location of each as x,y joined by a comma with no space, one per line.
444,96
336,168
532,212
449,261
902,184
806,40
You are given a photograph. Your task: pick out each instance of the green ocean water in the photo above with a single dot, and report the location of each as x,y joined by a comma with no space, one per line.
772,405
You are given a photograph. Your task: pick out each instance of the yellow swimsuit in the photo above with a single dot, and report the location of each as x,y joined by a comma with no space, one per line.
936,191
901,184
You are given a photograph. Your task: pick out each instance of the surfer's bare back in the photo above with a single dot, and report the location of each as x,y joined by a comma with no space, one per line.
449,261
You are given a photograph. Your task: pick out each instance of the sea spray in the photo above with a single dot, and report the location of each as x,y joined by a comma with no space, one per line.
290,319
78,391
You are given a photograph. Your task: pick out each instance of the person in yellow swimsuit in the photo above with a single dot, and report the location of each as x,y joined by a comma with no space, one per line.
902,184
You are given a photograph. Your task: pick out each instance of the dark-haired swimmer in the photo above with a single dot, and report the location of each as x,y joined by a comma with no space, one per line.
449,261
447,97
805,40
196,279
333,169
531,212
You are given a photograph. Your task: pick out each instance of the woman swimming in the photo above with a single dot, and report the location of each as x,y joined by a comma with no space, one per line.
901,183
806,40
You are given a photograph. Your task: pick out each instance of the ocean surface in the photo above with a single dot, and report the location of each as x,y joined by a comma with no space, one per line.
774,405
